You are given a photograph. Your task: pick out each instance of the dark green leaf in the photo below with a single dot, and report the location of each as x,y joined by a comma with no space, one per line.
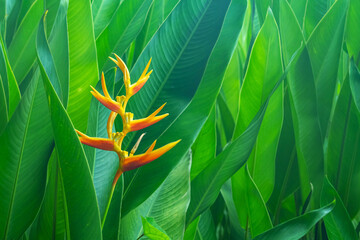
338,223
172,84
295,228
82,216
22,53
122,30
25,147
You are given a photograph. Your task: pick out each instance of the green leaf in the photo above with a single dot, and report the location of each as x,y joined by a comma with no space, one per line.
102,12
59,45
355,83
338,223
44,56
83,62
342,157
177,86
3,107
111,229
152,23
237,232
25,147
152,230
230,89
296,228
50,221
11,88
82,214
324,46
352,36
264,69
204,147
22,53
287,172
202,228
299,8
262,8
203,191
303,101
252,211
167,205
315,10
121,31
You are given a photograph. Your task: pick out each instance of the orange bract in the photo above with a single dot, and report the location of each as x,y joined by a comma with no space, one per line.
114,141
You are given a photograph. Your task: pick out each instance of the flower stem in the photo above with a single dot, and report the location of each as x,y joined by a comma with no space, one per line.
108,206
117,175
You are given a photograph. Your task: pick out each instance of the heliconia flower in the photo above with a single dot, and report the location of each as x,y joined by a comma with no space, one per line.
114,141
101,143
106,100
135,161
134,88
131,89
135,125
120,63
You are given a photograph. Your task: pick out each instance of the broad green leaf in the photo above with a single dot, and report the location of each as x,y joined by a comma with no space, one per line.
102,12
299,7
224,123
287,173
303,101
205,192
315,10
230,90
169,6
342,157
264,69
262,8
22,53
152,230
121,31
252,211
204,147
175,80
153,21
352,36
11,21
44,56
11,88
50,221
59,46
338,223
296,228
3,107
25,147
82,218
355,83
202,228
190,232
83,62
236,232
324,46
167,205
52,7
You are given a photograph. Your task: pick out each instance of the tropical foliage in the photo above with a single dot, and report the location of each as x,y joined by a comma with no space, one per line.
264,95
